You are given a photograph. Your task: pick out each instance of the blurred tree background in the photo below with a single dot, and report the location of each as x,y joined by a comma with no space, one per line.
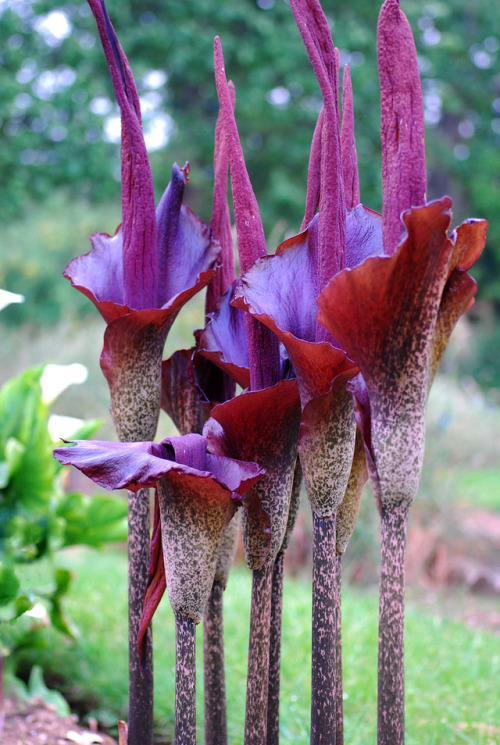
59,125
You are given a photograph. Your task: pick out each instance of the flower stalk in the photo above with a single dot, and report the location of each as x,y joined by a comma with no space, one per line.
185,680
391,688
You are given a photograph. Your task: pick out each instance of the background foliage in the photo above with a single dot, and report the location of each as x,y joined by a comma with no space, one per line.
57,107
38,515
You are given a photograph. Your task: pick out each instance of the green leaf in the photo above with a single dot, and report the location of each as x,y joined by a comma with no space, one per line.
63,579
9,584
88,428
13,454
24,418
37,687
93,520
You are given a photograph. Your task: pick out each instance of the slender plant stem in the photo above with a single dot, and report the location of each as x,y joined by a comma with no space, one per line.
140,712
391,694
185,680
273,701
323,687
2,702
339,690
258,657
213,666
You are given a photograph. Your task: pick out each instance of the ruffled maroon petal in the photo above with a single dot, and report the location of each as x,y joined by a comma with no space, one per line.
117,465
193,255
458,297
470,240
155,586
383,311
180,396
261,425
223,341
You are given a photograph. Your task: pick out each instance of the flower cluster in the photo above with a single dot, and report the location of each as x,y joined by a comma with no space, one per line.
335,338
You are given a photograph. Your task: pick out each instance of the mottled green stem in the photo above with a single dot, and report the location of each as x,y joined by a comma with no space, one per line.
391,694
323,687
185,680
258,657
140,714
213,665
339,690
273,701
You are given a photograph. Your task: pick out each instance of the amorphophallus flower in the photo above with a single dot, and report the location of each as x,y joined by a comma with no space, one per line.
191,386
198,494
393,314
342,234
263,420
139,279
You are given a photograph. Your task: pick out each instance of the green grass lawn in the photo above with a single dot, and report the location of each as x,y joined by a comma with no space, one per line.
452,672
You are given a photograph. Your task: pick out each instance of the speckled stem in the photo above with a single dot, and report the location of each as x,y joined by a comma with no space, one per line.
131,362
185,680
273,700
2,711
391,695
323,688
213,659
258,657
140,696
339,739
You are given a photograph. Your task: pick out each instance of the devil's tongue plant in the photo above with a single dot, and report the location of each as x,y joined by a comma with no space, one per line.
191,386
263,421
348,395
198,494
139,279
393,314
270,292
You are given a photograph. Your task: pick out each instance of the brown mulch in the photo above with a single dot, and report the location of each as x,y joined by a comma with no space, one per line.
36,723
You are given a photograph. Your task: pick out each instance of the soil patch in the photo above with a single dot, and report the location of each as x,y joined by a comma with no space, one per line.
36,723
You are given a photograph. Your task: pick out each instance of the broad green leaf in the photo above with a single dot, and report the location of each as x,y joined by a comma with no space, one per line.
24,416
9,584
93,520
88,429
13,455
37,687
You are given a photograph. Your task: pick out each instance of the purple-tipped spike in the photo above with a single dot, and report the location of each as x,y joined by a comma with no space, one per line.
402,122
348,144
138,205
263,349
315,32
313,174
220,224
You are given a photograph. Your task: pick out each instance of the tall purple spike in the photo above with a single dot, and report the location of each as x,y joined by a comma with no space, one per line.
220,223
263,349
402,122
138,205
348,144
315,32
313,174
